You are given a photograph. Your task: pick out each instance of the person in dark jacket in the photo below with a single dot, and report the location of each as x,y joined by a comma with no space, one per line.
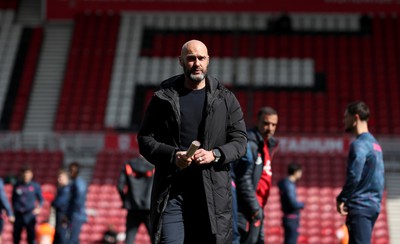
191,195
60,204
290,206
134,187
27,201
253,174
361,196
76,213
4,205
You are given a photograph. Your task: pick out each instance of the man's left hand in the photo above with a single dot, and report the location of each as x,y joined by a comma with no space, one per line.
341,208
36,211
202,156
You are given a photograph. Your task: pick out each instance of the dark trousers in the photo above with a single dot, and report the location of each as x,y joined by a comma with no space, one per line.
186,222
251,230
291,228
360,224
74,229
133,220
60,232
236,235
27,221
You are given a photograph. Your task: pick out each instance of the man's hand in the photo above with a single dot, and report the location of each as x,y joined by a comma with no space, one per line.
257,218
36,211
64,221
341,208
181,160
11,219
202,156
257,214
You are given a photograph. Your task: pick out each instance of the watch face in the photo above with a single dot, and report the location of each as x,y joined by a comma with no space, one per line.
217,155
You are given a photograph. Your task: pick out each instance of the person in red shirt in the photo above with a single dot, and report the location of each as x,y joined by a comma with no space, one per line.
252,175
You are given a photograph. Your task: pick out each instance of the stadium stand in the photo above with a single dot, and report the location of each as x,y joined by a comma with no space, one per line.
298,58
307,66
9,4
322,181
84,94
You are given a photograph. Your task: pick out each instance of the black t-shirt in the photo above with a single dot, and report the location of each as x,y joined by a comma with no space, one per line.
191,104
188,183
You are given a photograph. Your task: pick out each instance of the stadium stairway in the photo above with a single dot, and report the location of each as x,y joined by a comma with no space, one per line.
83,99
122,84
49,78
27,72
29,13
9,38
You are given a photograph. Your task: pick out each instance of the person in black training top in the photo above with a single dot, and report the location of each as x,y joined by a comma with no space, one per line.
191,198
137,175
290,206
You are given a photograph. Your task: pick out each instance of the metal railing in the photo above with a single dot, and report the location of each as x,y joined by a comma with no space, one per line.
68,142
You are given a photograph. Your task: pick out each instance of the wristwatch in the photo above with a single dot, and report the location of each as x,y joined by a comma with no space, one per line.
217,154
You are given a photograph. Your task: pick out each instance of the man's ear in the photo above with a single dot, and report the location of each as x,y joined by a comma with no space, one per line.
357,117
180,61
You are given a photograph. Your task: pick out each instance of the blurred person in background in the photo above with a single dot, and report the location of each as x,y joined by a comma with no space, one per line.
290,206
253,175
60,204
134,187
76,213
27,201
4,205
361,197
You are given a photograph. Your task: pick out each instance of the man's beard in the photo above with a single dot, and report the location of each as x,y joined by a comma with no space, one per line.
349,129
195,78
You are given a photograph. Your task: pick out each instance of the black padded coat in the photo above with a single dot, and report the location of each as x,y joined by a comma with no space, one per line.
159,141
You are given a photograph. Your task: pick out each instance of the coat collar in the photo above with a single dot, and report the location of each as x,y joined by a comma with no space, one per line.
171,86
271,143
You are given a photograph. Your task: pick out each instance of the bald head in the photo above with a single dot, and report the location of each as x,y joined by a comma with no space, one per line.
193,46
194,61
